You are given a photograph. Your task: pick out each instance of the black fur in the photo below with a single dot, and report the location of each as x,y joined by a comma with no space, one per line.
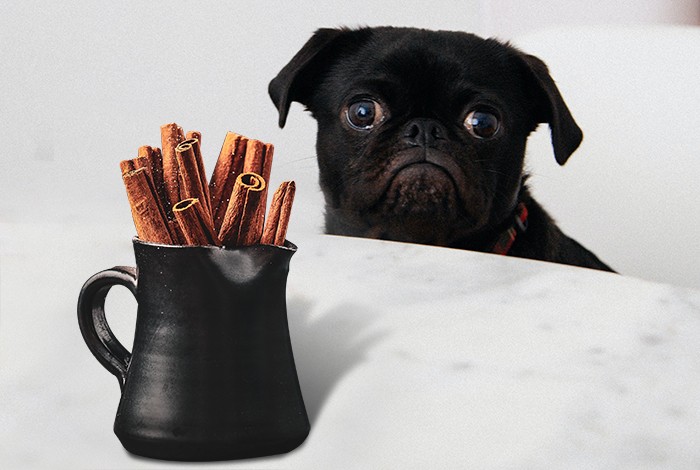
419,175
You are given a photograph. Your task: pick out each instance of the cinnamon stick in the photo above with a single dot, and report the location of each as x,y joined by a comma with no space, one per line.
258,159
194,135
145,151
278,217
176,232
197,146
171,135
149,217
228,166
241,224
152,158
133,164
193,180
155,159
195,223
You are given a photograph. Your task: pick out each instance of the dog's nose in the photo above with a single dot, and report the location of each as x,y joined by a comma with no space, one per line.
423,132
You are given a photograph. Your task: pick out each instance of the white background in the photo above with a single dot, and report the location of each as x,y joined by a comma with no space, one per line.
84,84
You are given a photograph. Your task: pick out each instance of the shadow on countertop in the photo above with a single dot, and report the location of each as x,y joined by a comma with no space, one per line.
327,347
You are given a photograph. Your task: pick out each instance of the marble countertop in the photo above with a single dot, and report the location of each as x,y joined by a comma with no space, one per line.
408,357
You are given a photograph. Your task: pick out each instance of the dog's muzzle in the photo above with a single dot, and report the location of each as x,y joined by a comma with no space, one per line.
417,158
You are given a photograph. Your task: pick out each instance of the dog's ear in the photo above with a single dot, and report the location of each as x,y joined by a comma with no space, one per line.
296,80
566,135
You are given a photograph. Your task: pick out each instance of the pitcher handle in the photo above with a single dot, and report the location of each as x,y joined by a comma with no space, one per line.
93,323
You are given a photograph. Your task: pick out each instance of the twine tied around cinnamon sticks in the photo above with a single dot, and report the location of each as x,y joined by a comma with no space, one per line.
172,203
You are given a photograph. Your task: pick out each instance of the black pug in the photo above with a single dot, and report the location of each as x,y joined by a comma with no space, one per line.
421,138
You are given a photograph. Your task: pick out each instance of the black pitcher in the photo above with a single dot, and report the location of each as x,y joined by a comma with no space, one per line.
211,375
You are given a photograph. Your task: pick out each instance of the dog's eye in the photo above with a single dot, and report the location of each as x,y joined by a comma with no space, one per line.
481,124
364,114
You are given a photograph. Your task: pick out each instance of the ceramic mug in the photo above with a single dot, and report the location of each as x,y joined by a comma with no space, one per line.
211,375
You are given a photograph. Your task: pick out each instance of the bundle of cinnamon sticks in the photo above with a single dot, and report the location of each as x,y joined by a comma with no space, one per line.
172,202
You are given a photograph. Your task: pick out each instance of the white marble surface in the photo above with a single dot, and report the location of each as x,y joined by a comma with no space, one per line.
408,357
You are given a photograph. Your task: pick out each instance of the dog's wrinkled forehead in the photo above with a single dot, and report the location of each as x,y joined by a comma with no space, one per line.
428,68
448,54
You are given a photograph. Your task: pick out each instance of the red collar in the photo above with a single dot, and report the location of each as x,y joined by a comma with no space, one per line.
506,239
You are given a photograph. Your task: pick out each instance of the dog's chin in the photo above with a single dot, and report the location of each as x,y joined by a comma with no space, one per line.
420,204
421,188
